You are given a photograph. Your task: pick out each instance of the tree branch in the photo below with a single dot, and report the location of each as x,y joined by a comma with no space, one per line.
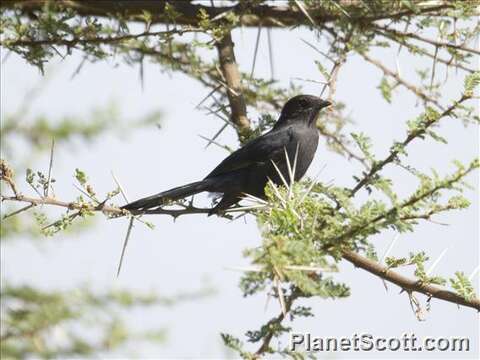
436,43
97,40
422,51
106,209
422,95
396,150
6,174
406,283
340,143
231,73
249,15
352,232
276,321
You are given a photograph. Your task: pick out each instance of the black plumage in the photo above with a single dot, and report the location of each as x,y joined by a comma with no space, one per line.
247,170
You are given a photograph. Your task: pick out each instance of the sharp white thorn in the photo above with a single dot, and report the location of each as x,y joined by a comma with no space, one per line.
474,272
435,263
390,247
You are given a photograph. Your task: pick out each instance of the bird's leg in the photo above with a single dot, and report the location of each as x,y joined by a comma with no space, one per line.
227,201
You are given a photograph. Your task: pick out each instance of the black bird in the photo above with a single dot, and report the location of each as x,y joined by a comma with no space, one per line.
247,170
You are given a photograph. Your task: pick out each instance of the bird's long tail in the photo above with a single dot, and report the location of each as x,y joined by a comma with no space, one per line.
159,199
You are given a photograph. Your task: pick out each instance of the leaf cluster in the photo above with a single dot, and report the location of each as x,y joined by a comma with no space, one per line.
57,323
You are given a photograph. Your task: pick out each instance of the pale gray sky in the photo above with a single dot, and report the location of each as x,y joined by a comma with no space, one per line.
181,255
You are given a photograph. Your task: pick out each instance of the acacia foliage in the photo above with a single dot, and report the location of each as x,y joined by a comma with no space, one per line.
307,227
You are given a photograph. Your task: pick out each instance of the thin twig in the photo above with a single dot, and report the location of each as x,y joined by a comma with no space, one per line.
436,43
343,147
395,151
276,321
402,81
96,40
106,209
423,51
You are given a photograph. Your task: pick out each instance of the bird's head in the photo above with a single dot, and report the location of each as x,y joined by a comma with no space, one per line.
301,108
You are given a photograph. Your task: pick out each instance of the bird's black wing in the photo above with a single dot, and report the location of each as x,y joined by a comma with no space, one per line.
262,149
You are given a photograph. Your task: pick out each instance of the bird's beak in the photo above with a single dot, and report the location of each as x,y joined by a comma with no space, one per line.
324,103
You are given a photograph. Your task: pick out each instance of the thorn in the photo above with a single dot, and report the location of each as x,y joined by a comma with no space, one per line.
141,73
308,268
46,190
254,199
305,12
277,193
429,271
295,161
85,193
416,307
474,272
390,246
270,53
217,134
280,174
257,42
314,182
385,285
6,56
397,64
244,208
70,218
290,174
281,296
79,67
341,8
328,57
309,80
216,143
244,268
267,301
120,187
25,208
129,230
215,89
221,108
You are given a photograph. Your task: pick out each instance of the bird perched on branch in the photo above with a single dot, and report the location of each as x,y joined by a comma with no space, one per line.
247,170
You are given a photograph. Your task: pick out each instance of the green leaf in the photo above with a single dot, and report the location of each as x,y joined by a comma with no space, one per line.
81,177
463,286
471,83
386,89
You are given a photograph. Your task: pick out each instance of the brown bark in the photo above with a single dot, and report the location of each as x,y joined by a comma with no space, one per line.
406,283
250,15
229,68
